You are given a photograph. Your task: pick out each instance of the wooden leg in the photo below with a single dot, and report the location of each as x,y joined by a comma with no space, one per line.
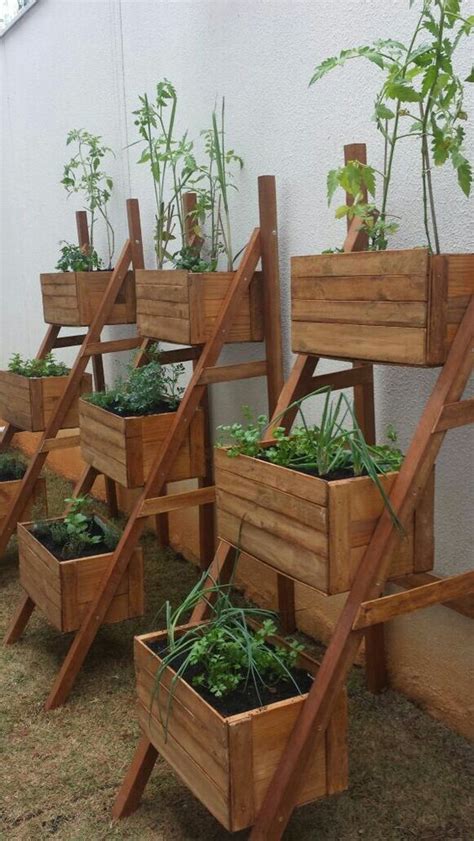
162,527
111,495
19,620
130,792
286,603
375,666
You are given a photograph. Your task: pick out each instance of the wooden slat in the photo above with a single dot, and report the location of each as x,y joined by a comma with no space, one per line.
62,443
381,610
114,346
173,502
228,373
404,345
455,414
363,263
463,605
271,288
405,314
343,379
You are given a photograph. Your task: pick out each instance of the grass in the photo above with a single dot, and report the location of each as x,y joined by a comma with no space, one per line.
411,778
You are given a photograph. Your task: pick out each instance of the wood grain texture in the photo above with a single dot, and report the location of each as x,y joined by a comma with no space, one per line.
37,501
124,448
29,403
310,530
182,307
228,762
73,298
63,590
391,307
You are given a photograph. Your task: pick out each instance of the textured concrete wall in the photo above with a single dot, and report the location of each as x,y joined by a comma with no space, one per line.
70,64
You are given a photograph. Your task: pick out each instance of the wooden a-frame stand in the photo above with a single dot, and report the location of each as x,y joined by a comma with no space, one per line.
366,609
263,245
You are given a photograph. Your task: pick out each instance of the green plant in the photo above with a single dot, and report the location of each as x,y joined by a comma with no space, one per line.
422,97
213,195
146,389
78,258
47,367
78,531
12,467
226,651
322,449
84,174
172,165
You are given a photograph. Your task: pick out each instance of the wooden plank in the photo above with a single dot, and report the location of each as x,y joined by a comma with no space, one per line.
229,373
389,607
460,275
339,516
19,620
403,345
456,414
136,778
437,310
337,758
376,675
114,346
463,605
242,804
65,442
362,375
371,287
174,502
401,313
271,307
362,263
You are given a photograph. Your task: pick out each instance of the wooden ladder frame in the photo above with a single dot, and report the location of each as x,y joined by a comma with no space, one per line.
263,245
366,609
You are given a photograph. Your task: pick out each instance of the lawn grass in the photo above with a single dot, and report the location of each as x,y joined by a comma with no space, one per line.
411,778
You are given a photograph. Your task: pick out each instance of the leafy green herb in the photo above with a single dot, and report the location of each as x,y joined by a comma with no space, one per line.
147,389
227,652
322,449
12,467
47,367
75,258
422,97
84,174
78,531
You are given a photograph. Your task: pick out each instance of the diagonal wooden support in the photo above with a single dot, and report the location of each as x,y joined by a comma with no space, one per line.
369,581
159,473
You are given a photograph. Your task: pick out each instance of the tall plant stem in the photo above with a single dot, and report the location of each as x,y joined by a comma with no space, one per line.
428,197
394,138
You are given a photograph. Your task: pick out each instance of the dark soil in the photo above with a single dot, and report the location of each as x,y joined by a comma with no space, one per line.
57,550
344,473
245,697
10,476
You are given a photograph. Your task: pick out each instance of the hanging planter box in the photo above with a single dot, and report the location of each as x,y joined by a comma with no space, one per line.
29,402
309,529
401,307
228,762
181,307
64,590
73,298
125,448
9,490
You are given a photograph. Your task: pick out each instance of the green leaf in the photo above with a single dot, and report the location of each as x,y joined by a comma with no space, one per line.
368,175
428,79
383,113
342,211
464,171
402,92
332,184
470,78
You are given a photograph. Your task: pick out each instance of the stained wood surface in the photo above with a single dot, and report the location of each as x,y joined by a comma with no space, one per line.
124,448
63,590
310,530
227,761
29,403
36,503
73,298
182,307
401,307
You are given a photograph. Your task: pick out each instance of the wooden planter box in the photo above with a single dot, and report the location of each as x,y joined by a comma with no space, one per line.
29,402
228,762
73,298
9,490
125,448
400,307
181,307
311,530
64,590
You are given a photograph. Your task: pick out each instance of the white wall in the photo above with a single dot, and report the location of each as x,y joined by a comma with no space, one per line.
82,63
